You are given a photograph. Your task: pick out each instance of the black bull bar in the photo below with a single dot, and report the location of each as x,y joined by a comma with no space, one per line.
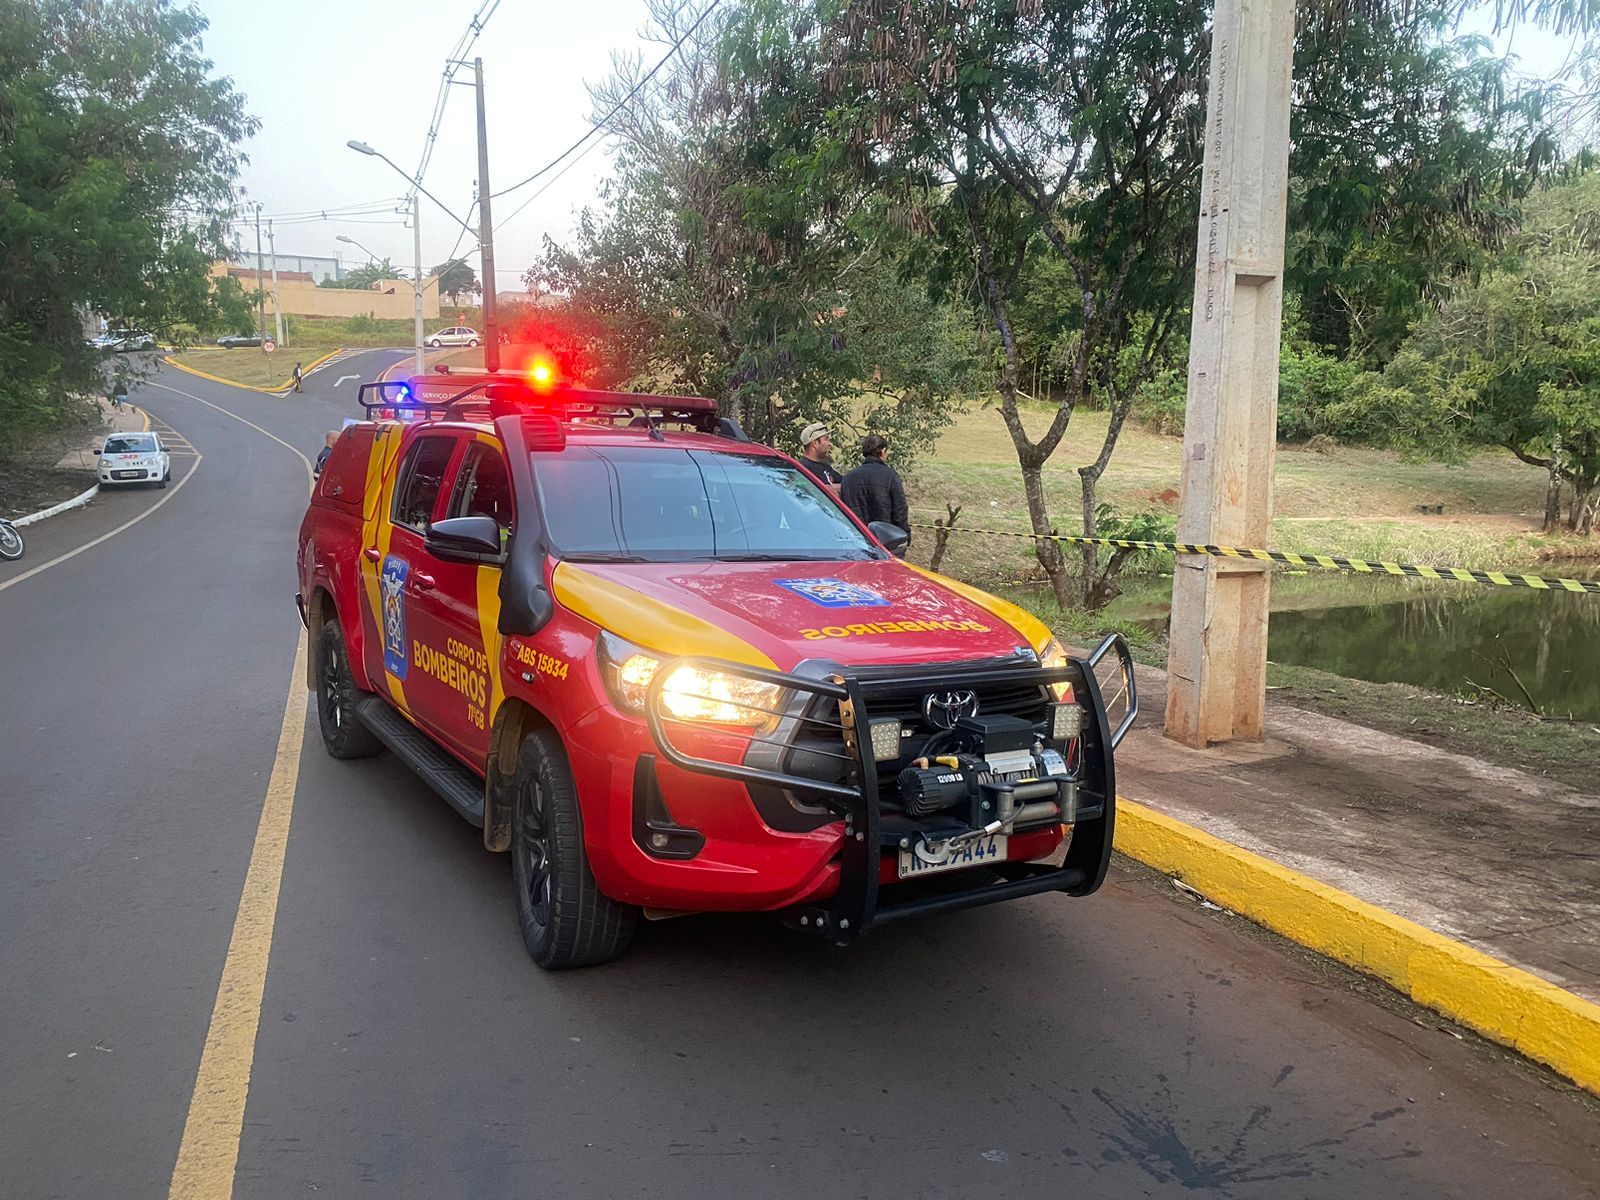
855,906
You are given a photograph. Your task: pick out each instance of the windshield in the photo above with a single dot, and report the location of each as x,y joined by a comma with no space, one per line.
130,443
659,505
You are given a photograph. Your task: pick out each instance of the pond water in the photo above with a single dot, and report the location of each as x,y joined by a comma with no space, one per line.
1446,637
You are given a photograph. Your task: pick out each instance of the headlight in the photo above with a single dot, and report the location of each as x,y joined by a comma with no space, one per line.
1054,655
689,693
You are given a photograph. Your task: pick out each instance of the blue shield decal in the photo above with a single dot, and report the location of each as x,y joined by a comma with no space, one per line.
392,586
834,593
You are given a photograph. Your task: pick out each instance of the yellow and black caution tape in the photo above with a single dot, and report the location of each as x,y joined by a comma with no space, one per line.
1331,562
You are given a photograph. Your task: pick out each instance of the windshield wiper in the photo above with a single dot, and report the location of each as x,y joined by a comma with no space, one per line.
608,556
775,558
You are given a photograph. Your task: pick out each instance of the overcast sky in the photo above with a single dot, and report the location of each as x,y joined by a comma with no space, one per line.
319,72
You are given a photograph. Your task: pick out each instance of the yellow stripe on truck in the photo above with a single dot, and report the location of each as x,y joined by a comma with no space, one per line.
1020,619
376,531
648,622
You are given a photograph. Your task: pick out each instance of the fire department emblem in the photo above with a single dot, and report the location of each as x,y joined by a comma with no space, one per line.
834,593
392,586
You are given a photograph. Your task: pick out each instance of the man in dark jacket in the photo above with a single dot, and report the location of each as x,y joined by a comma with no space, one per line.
873,490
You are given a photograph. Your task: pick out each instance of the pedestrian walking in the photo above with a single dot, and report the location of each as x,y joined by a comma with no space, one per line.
297,377
816,455
119,395
873,490
322,455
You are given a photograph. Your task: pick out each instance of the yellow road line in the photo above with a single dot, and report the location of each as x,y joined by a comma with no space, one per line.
1503,1002
250,387
209,1152
61,558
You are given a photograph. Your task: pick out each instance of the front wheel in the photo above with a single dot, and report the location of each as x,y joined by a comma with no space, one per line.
473,343
10,541
566,920
342,731
433,345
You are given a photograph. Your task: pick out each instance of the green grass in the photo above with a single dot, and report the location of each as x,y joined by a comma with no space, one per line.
1559,750
1349,501
252,365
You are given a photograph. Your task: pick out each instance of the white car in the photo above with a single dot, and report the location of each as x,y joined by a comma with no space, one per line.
134,458
459,335
124,341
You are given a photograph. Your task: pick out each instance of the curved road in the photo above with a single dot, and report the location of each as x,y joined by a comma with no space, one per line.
1130,1045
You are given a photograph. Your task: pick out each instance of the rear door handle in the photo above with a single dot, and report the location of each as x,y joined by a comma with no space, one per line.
424,582
373,553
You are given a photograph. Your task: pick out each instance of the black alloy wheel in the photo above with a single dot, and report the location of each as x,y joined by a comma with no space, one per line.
566,920
343,734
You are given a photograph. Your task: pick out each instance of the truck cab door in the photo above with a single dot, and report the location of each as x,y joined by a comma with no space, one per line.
401,574
459,616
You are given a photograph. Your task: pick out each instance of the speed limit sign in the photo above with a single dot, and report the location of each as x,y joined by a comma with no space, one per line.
269,345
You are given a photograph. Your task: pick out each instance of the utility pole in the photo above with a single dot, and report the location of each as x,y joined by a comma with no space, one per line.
277,298
416,228
261,299
491,327
1216,683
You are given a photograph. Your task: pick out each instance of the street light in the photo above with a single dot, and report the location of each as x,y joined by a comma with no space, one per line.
416,227
371,257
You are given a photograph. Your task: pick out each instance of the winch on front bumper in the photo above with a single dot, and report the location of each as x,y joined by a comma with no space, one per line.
981,777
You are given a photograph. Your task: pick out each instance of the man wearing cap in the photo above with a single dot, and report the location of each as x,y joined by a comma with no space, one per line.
817,455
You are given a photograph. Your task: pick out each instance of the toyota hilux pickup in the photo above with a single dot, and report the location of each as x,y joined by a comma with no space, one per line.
670,673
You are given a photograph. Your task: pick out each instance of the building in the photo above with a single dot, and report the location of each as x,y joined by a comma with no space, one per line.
388,299
317,266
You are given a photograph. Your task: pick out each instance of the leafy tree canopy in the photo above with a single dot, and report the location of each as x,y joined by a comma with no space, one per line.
457,278
118,152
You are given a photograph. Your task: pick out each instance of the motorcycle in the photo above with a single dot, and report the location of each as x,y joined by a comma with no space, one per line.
11,545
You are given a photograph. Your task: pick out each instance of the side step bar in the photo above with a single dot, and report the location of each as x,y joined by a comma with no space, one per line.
460,787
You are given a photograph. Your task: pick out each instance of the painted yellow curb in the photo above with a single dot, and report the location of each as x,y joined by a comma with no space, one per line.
1500,1001
250,387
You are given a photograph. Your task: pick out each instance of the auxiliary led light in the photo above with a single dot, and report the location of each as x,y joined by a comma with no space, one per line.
885,740
1066,722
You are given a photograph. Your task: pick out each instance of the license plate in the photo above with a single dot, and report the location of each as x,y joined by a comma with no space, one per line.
929,858
127,474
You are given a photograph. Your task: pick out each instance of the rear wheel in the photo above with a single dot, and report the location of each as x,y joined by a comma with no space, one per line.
566,920
342,731
10,541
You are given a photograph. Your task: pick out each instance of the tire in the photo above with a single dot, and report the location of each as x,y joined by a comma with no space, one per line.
343,734
473,343
434,345
11,546
566,921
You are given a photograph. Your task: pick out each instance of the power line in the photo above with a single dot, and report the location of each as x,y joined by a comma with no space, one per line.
464,43
554,179
600,125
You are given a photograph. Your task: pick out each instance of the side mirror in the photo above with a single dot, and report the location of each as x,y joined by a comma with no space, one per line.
456,536
894,539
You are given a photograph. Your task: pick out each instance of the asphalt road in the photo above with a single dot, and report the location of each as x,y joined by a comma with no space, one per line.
1127,1045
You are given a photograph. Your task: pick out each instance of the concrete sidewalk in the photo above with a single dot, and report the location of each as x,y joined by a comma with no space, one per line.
87,452
1488,855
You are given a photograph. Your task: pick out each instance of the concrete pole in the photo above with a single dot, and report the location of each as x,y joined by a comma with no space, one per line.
416,229
277,297
1216,686
261,301
491,327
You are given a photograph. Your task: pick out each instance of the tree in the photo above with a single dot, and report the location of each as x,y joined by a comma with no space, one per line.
1073,131
368,273
117,157
455,278
1514,360
729,261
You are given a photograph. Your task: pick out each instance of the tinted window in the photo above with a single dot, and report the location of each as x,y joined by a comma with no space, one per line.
679,505
130,443
421,476
482,488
